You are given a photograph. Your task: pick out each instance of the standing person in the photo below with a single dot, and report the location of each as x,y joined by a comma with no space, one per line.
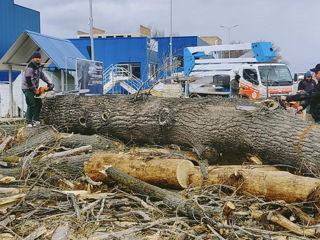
235,86
311,97
307,83
30,83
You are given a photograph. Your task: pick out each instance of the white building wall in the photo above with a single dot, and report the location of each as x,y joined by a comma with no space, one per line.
19,103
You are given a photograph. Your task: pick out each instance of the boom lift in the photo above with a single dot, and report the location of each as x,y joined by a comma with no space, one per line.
214,72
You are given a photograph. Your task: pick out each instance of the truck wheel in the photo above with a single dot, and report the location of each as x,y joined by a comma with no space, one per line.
195,95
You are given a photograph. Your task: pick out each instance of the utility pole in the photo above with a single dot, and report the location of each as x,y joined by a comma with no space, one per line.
171,58
91,30
10,91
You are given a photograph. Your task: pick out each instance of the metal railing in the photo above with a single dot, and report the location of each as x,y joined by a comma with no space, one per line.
118,80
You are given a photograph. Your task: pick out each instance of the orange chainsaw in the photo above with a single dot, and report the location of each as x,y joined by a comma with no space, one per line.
43,92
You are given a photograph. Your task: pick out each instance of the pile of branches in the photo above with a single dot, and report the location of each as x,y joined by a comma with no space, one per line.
55,185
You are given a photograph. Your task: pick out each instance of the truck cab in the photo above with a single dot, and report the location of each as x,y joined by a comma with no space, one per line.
259,79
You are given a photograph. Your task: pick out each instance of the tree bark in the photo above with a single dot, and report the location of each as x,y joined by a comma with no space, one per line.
204,124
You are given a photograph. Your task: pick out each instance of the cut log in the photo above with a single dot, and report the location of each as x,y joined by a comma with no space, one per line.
33,137
164,172
261,181
68,167
273,135
158,171
96,141
30,138
272,185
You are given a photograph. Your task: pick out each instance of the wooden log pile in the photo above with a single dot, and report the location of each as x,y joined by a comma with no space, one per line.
56,185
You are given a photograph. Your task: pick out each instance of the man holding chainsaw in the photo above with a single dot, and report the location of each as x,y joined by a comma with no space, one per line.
30,83
311,97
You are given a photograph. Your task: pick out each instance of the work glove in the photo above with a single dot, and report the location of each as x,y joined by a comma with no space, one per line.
50,86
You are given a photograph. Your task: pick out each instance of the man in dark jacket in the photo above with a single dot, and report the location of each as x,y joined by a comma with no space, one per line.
235,86
311,97
30,83
307,83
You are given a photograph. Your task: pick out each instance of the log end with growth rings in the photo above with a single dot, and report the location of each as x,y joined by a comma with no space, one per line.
183,171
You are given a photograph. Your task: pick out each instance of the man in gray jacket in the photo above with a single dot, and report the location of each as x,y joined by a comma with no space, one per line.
30,83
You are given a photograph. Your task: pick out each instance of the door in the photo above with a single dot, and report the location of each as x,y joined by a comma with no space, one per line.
249,83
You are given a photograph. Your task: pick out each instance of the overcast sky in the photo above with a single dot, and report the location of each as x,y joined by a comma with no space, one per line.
293,25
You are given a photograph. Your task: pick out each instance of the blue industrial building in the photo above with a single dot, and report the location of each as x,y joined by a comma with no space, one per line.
14,20
125,51
143,55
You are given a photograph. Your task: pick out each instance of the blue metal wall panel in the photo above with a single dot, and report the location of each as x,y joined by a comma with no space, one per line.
117,50
178,45
14,20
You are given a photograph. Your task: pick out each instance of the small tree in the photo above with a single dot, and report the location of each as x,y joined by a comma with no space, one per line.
155,32
279,58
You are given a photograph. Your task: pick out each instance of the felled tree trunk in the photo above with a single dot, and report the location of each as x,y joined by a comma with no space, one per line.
203,124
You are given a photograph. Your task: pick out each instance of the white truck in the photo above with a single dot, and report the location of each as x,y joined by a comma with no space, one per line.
214,73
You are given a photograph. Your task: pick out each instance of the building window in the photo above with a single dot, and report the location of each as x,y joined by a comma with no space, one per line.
152,71
132,68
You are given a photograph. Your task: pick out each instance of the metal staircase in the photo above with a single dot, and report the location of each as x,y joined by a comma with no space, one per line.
118,80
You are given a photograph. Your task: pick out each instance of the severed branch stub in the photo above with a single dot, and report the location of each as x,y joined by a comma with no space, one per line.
286,223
